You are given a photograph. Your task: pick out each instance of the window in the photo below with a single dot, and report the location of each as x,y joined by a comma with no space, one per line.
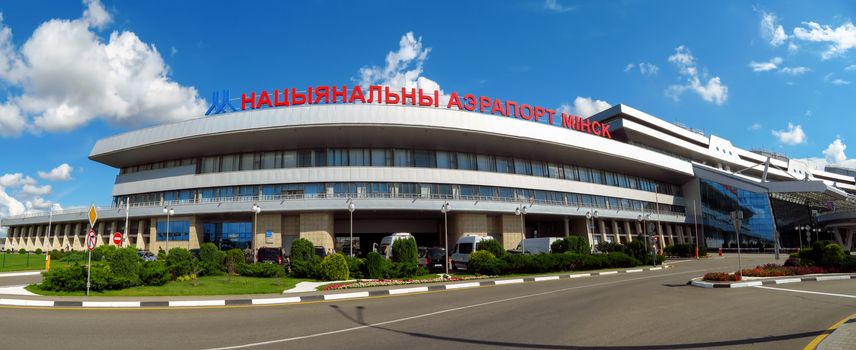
381,157
444,160
304,159
210,165
403,158
289,159
466,161
610,179
271,160
597,176
186,196
209,194
522,167
271,190
424,159
571,173
226,192
248,191
178,230
320,156
359,157
338,157
247,161
555,170
485,163
538,168
505,165
487,192
229,163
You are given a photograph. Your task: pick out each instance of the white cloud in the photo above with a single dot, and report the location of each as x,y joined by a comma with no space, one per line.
60,173
851,67
795,70
629,67
712,91
793,136
772,64
832,155
835,81
16,180
648,69
556,6
403,68
9,205
121,80
771,31
755,126
584,107
793,48
840,39
36,190
95,14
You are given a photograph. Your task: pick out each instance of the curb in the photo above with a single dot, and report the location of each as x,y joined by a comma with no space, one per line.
16,274
696,282
302,299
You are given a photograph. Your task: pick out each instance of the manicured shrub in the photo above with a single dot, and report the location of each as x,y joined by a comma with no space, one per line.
302,250
334,267
616,259
609,247
478,259
103,252
309,268
67,279
493,246
574,244
211,259
38,251
585,261
73,256
637,249
124,267
161,254
180,262
22,251
261,270
355,267
721,277
154,273
403,270
56,254
375,266
849,263
832,256
519,263
234,258
405,251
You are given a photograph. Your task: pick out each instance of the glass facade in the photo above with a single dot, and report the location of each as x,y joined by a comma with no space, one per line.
718,201
406,190
179,230
228,235
417,158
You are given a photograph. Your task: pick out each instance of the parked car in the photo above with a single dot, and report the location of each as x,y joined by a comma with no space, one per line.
386,243
269,255
320,251
433,259
466,245
346,251
536,245
146,256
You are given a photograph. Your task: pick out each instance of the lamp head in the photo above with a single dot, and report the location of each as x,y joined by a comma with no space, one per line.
351,207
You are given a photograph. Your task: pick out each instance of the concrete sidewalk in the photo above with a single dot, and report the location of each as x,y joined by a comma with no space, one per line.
267,299
843,338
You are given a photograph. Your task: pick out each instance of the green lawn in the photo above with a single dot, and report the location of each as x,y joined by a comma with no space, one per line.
207,285
21,262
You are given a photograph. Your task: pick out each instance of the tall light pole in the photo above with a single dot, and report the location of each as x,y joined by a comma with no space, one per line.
169,212
521,212
799,235
737,218
127,214
256,210
642,218
695,221
351,208
445,210
591,215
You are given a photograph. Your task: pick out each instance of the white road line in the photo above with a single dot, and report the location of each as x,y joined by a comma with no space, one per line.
408,290
462,285
22,302
268,301
197,303
548,278
345,330
519,280
810,292
346,295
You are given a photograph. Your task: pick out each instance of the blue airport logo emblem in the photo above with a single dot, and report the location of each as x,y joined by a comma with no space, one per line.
219,106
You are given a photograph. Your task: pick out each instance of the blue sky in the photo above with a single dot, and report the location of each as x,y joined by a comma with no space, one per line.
73,72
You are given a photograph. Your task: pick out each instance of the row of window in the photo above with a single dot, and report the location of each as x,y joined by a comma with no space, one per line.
392,190
398,157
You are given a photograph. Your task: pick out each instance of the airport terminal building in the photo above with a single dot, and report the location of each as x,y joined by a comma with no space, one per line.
279,168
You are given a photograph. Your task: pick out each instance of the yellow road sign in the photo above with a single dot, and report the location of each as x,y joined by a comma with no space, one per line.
93,216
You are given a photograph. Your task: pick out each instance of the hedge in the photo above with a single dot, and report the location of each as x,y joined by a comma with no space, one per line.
334,267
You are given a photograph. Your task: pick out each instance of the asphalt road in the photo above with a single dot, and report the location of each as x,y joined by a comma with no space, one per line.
649,310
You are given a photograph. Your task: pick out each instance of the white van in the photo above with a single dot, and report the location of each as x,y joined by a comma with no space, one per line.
465,246
386,243
536,245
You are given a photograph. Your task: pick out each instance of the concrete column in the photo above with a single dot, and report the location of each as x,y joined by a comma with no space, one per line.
291,232
99,230
850,234
615,235
154,244
661,235
601,227
268,222
512,232
628,232
567,226
318,229
141,241
836,235
113,229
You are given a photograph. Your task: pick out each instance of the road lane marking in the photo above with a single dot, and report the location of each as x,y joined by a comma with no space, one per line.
346,296
816,341
414,317
268,301
810,292
408,290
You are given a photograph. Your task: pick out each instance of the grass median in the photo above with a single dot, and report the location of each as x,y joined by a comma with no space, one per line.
21,262
206,285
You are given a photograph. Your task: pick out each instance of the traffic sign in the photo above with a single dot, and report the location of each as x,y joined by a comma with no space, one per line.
90,240
93,216
117,239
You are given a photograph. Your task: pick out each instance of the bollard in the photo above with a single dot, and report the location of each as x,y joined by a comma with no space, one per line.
720,251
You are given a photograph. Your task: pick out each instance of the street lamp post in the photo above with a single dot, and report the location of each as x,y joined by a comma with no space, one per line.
737,218
799,235
521,212
168,211
642,218
591,215
445,210
351,208
256,210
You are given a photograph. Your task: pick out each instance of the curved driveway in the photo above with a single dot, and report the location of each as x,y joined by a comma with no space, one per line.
651,310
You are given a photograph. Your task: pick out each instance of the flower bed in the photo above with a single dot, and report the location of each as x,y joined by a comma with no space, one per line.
393,282
773,270
721,277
